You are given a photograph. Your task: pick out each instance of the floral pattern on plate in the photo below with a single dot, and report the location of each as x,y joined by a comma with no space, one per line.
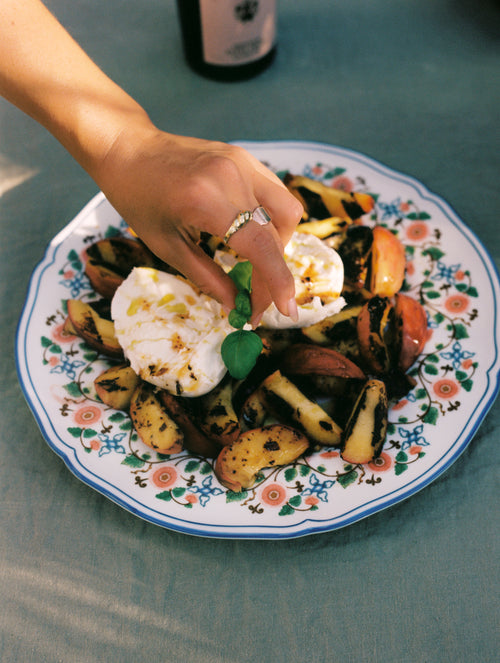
456,377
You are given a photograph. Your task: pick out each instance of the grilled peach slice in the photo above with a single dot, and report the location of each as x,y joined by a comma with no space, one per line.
153,424
355,251
374,328
110,260
253,412
366,428
121,253
103,280
218,419
194,439
97,331
323,228
305,359
388,263
116,385
238,465
321,201
287,403
411,329
340,326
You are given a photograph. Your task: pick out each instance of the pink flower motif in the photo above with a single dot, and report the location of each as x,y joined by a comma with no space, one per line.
329,454
165,476
417,231
316,170
95,445
404,207
459,275
61,336
53,361
446,388
274,494
191,498
410,268
400,404
87,415
311,500
342,182
69,274
381,464
467,363
415,449
457,303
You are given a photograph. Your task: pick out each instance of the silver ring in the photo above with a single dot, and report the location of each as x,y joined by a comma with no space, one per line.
260,215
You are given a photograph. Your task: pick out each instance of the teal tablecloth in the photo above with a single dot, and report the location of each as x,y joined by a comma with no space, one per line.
413,84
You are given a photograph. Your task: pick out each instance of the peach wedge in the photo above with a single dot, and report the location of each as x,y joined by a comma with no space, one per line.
388,263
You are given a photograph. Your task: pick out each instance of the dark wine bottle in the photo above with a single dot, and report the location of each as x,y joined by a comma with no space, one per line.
228,40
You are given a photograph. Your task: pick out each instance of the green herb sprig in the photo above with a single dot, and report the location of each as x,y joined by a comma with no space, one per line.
240,349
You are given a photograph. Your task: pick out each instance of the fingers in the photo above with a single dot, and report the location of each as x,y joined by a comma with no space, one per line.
193,263
262,246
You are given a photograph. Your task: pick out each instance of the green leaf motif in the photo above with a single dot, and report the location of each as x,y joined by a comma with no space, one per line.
73,389
89,432
286,510
117,416
430,369
74,259
400,468
431,416
304,470
295,501
126,425
290,474
178,491
346,479
74,431
133,461
433,252
232,496
111,231
460,331
164,495
192,465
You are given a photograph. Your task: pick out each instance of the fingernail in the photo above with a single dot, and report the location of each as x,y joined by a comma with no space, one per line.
256,321
293,311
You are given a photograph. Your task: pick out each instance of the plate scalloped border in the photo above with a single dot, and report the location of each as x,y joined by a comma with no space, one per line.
265,150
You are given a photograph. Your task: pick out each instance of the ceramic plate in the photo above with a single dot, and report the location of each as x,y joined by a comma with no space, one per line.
456,377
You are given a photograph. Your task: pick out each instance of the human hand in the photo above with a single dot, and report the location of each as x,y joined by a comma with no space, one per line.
170,188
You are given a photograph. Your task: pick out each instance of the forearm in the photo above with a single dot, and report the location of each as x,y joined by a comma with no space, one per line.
45,73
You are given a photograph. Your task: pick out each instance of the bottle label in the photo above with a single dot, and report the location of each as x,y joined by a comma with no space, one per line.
237,31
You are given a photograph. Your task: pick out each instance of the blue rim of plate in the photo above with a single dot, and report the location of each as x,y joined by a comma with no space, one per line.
308,525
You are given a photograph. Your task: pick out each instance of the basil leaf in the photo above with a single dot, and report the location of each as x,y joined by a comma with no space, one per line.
236,319
241,274
240,350
242,304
